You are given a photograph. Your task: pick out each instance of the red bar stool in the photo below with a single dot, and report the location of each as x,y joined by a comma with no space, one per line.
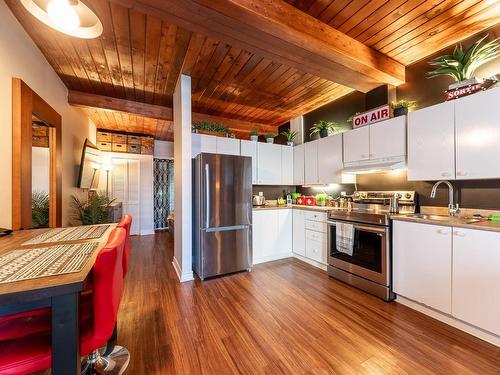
32,353
126,223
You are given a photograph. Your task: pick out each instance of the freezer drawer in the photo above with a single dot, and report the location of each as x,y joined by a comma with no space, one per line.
224,251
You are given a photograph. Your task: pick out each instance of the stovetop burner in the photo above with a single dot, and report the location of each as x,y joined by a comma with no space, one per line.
372,207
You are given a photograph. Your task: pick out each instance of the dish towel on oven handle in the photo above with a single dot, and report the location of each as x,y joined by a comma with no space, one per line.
344,238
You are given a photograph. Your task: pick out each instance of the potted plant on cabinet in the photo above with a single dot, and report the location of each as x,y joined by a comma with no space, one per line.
254,136
290,136
269,138
461,65
324,128
401,107
210,128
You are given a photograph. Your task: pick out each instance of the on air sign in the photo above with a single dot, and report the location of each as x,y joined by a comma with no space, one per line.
371,116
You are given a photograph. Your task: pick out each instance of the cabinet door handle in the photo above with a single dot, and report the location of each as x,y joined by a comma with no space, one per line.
371,155
364,156
460,173
445,174
442,231
459,234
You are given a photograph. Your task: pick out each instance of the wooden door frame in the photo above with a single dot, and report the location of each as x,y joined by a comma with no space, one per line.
25,103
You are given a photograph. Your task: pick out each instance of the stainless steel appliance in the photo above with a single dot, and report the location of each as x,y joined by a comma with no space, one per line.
369,266
222,187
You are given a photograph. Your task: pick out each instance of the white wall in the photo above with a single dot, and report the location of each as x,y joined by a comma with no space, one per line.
164,150
183,228
20,58
40,169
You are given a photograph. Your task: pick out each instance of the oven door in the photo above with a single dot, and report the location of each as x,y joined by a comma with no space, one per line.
370,258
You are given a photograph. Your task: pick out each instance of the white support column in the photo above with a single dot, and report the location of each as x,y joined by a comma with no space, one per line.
183,245
297,124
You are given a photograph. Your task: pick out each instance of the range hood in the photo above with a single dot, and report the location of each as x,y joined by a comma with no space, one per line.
375,166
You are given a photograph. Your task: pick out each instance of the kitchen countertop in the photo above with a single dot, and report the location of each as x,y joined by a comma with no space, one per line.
296,206
458,222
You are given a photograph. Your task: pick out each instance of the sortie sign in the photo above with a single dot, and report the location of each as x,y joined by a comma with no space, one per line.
371,116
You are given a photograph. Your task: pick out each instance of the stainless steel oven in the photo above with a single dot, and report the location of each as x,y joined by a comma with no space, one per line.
369,266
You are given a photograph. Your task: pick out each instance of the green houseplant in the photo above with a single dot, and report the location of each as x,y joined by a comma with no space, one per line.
401,107
39,209
210,127
321,199
94,210
290,136
270,137
324,128
254,136
462,64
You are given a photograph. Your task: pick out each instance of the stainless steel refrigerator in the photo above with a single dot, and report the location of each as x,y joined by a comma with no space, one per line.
222,189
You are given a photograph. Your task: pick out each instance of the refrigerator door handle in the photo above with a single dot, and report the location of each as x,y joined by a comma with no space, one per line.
207,192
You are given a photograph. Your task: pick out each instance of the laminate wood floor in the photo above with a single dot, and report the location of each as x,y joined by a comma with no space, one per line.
284,317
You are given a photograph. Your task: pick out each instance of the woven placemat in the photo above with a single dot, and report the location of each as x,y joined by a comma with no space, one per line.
85,232
20,265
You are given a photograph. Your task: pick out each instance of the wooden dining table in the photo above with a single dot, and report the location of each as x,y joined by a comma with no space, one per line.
60,293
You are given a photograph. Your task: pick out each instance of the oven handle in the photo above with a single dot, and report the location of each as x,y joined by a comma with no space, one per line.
366,228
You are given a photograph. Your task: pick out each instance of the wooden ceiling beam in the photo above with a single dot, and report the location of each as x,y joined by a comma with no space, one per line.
282,33
83,99
87,100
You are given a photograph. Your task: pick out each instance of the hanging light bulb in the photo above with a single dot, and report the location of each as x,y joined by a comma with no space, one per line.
64,16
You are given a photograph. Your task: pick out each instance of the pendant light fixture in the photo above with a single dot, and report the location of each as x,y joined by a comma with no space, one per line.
71,17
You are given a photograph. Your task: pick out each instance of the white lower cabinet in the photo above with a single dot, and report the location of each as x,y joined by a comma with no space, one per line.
476,278
298,232
271,234
453,270
422,263
316,246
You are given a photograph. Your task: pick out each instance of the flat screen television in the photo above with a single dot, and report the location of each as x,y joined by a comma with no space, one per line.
90,165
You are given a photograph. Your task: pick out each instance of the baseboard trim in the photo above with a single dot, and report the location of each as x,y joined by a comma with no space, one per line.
183,277
451,321
270,258
310,261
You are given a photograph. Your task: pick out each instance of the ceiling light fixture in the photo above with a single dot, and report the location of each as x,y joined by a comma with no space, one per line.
71,17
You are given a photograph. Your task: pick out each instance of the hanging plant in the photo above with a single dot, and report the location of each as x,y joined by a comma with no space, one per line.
461,65
324,128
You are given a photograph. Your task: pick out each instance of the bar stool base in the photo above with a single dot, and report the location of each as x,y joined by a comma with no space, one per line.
115,363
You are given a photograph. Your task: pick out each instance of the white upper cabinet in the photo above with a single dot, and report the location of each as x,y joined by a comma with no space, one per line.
357,145
476,278
228,146
268,164
431,143
477,131
298,165
249,148
330,162
422,263
287,165
311,163
388,138
203,143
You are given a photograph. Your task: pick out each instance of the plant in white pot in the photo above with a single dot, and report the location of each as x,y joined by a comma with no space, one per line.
254,136
270,138
461,65
290,136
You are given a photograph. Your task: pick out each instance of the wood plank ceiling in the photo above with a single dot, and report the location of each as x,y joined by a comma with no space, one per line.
139,57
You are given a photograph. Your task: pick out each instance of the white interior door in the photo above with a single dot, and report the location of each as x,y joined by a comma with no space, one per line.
125,187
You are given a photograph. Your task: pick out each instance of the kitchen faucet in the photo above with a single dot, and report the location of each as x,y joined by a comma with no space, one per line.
453,208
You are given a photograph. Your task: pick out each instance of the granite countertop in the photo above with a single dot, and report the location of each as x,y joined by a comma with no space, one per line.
448,221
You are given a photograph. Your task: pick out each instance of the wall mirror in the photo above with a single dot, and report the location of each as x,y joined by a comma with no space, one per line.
36,160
